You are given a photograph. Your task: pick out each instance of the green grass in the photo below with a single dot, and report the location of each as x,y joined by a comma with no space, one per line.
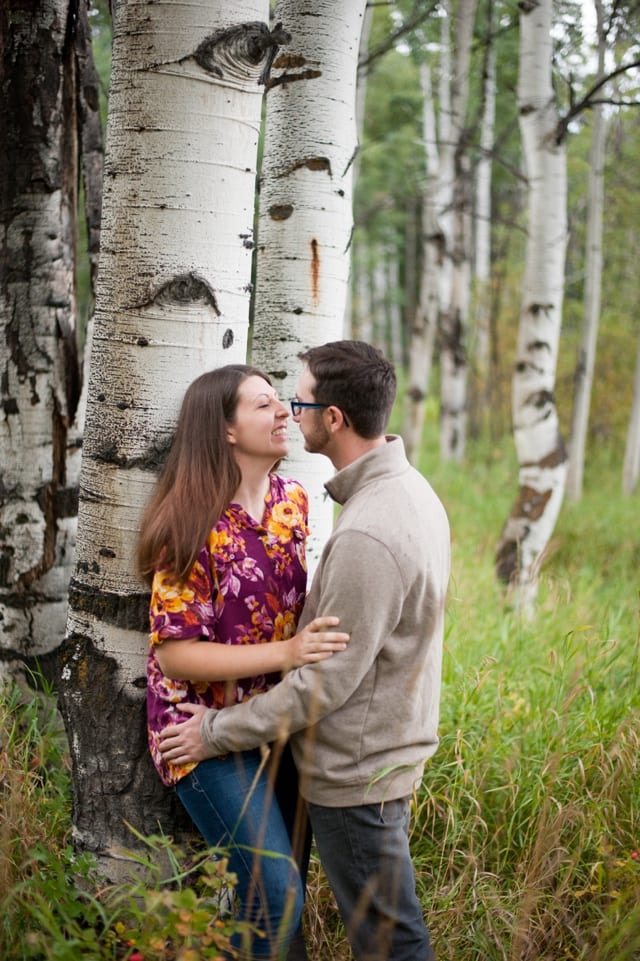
526,832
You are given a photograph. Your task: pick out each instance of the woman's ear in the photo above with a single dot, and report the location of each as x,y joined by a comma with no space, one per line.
231,437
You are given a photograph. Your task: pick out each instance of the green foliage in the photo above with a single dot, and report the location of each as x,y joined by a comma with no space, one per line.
54,905
526,831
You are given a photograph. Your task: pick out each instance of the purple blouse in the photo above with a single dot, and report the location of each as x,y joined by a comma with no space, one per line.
247,586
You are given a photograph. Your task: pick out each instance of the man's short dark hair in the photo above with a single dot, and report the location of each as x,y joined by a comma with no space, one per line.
357,378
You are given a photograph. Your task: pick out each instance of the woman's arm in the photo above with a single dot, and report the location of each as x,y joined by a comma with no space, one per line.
196,660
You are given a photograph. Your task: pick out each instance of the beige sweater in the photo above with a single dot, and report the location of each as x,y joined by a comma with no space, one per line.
364,721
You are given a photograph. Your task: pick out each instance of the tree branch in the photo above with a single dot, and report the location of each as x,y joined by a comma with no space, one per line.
589,99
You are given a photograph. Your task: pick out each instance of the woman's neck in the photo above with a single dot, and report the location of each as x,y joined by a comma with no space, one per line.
252,489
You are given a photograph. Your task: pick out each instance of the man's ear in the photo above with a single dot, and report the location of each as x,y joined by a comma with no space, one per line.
336,418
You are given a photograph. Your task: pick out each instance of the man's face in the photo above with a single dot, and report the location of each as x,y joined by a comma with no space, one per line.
311,421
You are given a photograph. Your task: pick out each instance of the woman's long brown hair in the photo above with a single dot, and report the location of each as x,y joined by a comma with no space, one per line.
199,477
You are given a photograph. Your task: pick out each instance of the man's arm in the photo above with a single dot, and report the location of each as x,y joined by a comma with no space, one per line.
362,586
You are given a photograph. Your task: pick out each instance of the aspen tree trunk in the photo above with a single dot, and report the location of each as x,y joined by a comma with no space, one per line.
593,284
454,317
361,98
631,466
172,302
45,99
425,322
306,218
380,318
363,313
482,259
396,352
541,451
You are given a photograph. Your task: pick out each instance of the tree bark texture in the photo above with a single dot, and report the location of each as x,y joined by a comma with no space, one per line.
593,284
454,308
172,301
542,455
631,465
306,215
39,374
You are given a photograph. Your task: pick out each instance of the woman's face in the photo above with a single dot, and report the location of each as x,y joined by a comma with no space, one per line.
259,428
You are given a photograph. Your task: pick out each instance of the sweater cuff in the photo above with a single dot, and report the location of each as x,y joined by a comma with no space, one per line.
207,732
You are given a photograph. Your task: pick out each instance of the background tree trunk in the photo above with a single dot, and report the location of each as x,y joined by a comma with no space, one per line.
631,467
482,234
454,308
593,283
541,451
306,215
39,372
425,322
172,301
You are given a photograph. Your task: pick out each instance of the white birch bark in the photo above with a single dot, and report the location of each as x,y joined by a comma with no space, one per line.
39,374
362,329
425,322
380,317
306,218
540,448
631,465
482,260
593,283
455,308
172,301
392,282
361,99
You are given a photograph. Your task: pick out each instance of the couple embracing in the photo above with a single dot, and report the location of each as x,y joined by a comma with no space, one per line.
348,696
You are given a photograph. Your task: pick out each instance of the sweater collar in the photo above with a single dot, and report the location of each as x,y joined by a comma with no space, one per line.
382,461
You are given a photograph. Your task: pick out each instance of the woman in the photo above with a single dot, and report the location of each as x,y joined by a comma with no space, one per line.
223,545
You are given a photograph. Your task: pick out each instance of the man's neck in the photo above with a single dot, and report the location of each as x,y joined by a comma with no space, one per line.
352,447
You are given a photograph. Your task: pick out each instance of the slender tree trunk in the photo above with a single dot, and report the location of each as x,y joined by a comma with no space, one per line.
393,305
306,216
541,451
593,285
631,467
363,312
39,373
454,316
361,99
425,321
172,301
482,258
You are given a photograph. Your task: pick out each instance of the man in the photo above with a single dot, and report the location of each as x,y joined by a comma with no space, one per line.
363,722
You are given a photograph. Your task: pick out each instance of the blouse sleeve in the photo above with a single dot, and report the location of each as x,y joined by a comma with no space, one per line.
183,610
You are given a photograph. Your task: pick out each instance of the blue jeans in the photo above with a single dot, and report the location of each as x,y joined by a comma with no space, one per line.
364,851
233,803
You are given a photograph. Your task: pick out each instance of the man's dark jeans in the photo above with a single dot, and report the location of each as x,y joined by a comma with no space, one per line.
364,851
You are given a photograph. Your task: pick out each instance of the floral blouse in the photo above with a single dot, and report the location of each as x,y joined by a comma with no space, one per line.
247,586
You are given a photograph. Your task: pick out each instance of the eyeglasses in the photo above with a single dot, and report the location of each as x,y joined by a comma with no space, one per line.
297,406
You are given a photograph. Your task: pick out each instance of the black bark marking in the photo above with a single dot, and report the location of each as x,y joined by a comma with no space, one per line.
186,289
291,77
227,339
536,309
152,459
280,211
248,43
129,612
311,163
315,270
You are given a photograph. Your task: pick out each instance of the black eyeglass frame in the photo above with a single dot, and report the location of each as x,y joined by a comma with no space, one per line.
297,406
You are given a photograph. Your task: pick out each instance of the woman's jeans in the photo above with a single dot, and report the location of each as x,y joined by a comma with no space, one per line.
234,804
364,851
